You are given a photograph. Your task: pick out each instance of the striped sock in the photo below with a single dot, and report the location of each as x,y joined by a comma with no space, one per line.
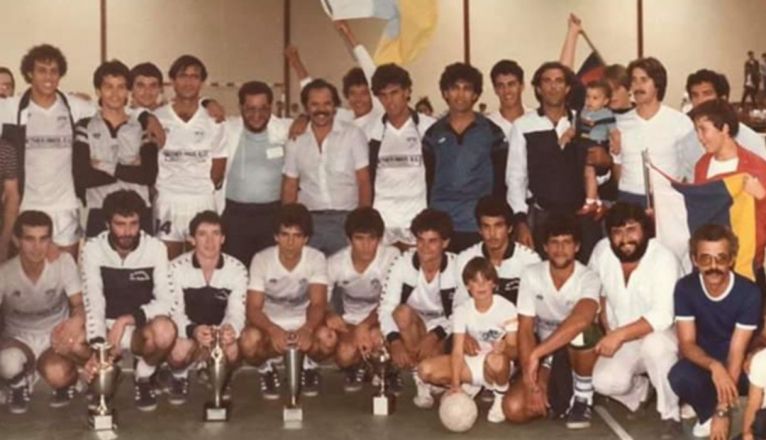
583,388
500,389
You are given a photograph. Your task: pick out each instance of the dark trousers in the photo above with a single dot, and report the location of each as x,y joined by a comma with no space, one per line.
694,386
462,240
97,222
249,228
591,232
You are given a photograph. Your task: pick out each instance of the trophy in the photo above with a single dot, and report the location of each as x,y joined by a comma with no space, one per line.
292,414
383,401
218,371
102,418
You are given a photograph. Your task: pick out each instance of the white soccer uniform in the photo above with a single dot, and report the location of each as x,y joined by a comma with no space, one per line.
517,257
287,292
432,301
360,292
30,309
539,298
217,302
184,185
486,328
400,179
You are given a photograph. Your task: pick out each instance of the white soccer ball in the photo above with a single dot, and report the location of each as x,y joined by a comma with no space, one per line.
458,412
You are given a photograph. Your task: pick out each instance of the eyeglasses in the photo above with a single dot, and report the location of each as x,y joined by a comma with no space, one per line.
707,259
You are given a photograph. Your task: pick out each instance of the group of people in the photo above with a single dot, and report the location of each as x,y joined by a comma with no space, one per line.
512,253
755,78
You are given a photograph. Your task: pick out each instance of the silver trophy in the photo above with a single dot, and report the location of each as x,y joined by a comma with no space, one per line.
292,414
103,418
383,401
218,371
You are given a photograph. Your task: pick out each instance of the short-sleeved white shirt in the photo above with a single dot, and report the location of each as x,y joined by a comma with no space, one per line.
327,175
287,292
186,159
538,297
37,307
360,291
486,327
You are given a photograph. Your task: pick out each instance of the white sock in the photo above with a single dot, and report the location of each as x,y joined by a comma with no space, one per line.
500,389
583,387
144,370
12,361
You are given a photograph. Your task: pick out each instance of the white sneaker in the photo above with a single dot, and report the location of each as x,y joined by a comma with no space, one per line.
687,412
702,430
496,414
423,399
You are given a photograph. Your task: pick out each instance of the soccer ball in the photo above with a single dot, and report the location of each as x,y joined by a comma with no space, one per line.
458,412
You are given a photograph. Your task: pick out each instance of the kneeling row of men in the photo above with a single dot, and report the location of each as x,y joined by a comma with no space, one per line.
508,306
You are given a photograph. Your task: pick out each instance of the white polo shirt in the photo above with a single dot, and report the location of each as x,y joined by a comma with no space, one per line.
661,135
648,293
327,175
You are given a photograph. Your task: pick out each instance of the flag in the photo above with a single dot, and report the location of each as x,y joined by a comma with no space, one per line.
682,208
410,28
592,68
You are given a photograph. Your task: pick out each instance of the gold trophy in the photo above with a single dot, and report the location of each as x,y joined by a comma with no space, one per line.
218,371
292,413
103,418
383,401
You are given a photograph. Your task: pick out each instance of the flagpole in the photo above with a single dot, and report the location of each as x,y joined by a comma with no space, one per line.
592,46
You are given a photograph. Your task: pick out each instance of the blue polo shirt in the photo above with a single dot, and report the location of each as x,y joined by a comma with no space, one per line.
462,168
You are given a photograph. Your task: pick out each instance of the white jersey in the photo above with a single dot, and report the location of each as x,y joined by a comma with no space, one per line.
539,298
517,257
287,292
37,307
190,147
360,291
367,122
199,302
486,327
400,176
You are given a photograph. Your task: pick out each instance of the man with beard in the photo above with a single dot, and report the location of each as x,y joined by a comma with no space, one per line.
717,312
638,275
127,294
192,162
255,142
326,168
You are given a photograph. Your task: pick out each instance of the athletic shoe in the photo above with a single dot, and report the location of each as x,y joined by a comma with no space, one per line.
687,412
352,381
310,382
62,397
702,429
394,383
145,395
18,399
671,430
423,398
579,415
179,390
496,414
270,385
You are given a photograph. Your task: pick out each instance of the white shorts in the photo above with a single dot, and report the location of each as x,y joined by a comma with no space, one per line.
172,214
67,229
38,342
290,323
476,367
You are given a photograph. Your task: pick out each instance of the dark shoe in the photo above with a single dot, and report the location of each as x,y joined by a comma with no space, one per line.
18,399
179,390
270,385
394,383
310,382
145,395
671,429
62,397
352,381
579,415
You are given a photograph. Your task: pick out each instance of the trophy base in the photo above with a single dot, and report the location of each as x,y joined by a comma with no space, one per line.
383,405
217,414
102,422
292,417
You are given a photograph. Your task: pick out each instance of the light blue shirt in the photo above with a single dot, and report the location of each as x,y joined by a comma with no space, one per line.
255,175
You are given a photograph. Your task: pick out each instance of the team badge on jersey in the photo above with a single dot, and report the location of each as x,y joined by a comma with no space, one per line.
139,275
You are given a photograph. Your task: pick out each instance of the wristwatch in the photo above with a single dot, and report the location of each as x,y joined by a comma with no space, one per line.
722,412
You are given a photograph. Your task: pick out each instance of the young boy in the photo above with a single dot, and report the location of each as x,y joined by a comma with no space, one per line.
492,321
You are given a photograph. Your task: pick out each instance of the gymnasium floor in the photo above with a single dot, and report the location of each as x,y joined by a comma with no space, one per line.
331,415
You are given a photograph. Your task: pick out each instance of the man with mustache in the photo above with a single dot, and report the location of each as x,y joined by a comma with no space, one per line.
326,168
717,312
638,275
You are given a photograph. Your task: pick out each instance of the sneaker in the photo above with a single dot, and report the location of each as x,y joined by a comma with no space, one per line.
179,390
423,398
702,429
496,414
164,377
671,430
270,385
579,415
687,412
18,399
394,383
352,381
310,382
145,395
62,397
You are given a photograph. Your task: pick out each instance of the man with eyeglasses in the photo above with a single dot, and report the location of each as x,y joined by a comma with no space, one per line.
717,312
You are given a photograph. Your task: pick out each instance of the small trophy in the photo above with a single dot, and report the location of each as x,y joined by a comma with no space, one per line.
292,414
218,371
383,402
102,418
